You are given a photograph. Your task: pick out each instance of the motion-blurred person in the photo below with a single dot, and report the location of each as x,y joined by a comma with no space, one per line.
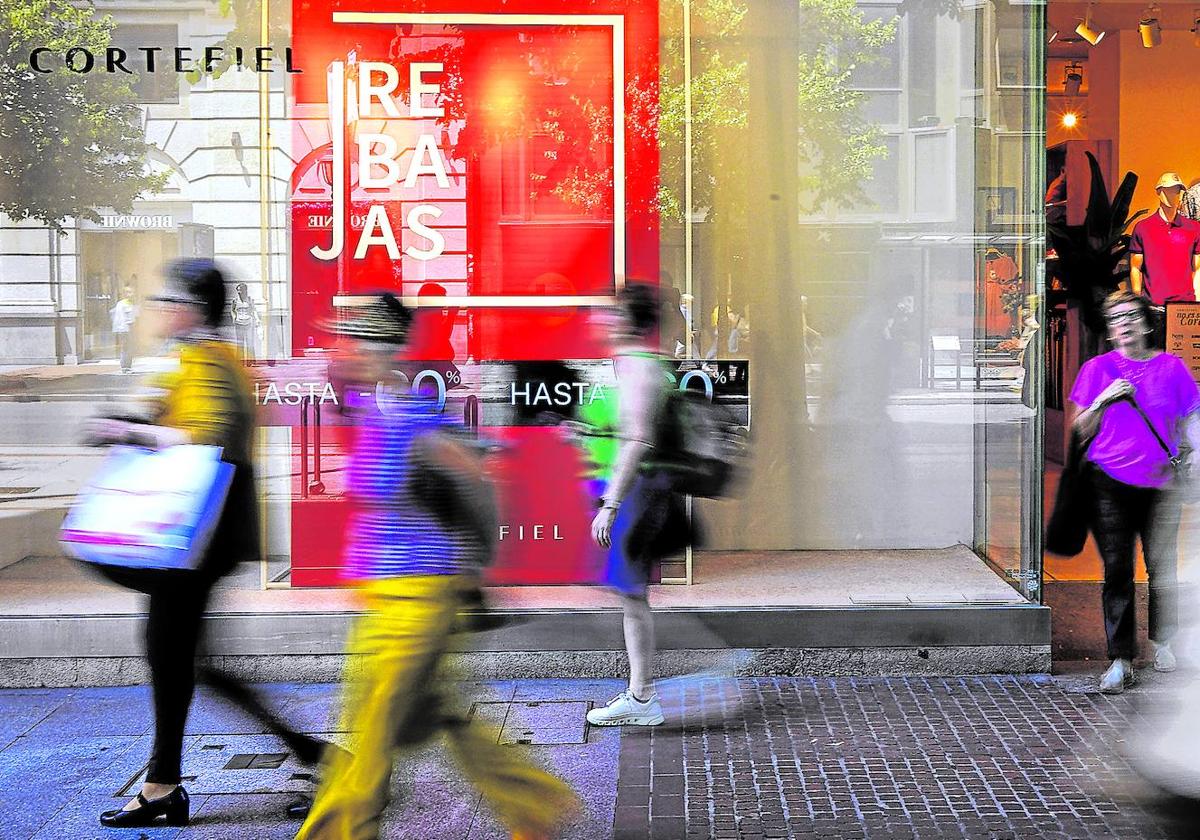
1135,403
641,520
857,442
1163,742
124,314
207,400
416,538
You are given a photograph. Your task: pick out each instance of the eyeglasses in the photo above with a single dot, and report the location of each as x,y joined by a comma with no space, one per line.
1129,316
172,300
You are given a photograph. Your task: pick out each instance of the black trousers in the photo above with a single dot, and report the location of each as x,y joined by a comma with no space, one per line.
173,628
174,638
174,619
1121,513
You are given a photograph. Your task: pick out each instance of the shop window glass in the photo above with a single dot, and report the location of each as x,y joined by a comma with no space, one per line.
886,266
161,86
882,107
883,190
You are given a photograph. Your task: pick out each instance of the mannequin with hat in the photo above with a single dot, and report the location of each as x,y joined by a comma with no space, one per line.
1165,254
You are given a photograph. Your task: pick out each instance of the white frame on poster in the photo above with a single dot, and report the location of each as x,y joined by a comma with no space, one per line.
617,24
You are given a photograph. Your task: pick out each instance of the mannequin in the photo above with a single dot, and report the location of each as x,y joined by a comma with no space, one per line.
245,321
1164,253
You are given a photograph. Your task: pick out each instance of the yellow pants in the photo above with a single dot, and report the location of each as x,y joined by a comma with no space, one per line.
394,704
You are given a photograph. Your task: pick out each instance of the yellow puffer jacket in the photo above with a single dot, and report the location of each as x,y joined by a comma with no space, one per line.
210,397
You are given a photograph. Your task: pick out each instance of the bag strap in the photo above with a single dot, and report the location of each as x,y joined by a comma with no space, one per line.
1141,413
1153,430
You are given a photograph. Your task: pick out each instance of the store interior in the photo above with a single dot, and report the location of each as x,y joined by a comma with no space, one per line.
1121,85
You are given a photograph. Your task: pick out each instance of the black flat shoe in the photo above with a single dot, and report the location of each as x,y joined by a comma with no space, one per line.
174,806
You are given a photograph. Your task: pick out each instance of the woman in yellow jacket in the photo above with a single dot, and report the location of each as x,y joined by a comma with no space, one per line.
207,400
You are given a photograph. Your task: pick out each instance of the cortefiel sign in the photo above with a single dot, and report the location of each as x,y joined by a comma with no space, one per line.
161,59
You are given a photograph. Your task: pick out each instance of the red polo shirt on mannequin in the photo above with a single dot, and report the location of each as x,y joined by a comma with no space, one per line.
1168,248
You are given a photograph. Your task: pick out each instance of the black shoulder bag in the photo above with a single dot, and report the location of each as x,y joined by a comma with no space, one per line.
1067,530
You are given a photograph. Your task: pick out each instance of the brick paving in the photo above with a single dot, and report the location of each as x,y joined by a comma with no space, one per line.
969,757
972,757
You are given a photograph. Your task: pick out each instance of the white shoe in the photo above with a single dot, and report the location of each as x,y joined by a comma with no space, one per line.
1117,677
627,710
1164,658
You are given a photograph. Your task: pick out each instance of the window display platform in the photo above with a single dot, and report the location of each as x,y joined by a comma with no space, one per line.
939,611
57,586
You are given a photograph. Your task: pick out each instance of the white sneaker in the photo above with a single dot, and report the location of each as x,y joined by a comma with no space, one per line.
627,710
1164,658
1117,677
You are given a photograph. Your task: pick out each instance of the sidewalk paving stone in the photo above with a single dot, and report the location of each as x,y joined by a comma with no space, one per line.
975,757
911,758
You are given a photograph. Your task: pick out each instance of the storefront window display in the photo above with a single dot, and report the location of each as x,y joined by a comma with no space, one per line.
1102,101
841,204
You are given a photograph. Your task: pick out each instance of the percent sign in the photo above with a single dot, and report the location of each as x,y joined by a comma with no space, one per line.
453,377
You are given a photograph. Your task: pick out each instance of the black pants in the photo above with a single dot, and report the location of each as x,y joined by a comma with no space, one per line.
173,630
1120,514
174,637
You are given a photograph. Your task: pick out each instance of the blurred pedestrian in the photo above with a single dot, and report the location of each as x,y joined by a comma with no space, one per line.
418,533
641,519
207,400
1137,405
124,314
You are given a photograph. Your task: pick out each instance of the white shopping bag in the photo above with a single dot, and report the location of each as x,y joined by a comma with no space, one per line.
149,509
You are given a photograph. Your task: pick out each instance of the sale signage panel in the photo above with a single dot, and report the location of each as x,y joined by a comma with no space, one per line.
496,165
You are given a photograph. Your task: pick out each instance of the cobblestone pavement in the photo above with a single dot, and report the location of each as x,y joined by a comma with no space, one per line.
970,757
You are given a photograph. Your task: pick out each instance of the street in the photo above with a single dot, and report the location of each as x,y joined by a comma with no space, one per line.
971,757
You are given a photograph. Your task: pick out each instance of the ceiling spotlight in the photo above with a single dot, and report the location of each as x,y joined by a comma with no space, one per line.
1070,119
1150,29
1087,30
1072,78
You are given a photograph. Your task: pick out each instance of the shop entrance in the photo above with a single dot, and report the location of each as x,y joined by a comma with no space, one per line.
109,261
1113,86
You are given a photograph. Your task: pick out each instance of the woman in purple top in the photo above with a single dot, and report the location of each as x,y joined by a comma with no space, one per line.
1131,475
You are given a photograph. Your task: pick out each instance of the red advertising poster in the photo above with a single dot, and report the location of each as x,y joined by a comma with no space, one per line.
497,166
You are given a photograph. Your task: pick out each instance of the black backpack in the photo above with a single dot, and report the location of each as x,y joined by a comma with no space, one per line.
698,445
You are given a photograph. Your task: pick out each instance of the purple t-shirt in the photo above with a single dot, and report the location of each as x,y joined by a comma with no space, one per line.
1124,447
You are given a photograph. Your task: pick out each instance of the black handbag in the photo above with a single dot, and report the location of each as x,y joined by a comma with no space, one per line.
1067,530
